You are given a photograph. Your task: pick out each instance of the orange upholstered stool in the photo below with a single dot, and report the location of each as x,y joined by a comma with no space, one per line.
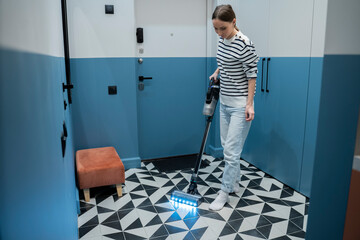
99,167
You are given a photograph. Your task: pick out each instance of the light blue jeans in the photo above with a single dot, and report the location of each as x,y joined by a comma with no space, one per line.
233,132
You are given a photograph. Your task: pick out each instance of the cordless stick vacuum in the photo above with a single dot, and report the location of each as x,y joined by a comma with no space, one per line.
192,197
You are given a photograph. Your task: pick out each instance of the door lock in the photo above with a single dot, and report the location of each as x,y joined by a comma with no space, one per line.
141,82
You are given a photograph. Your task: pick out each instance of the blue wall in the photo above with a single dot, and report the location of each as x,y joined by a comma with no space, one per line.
311,124
37,182
130,120
335,144
106,120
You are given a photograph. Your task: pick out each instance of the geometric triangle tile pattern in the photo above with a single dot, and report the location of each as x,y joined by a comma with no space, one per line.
264,208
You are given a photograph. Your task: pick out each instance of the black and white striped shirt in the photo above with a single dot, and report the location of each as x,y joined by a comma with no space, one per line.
237,62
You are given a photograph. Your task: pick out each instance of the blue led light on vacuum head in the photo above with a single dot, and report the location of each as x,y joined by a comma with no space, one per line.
185,198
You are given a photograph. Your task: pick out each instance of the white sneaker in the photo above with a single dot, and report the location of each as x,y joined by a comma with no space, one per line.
236,188
219,201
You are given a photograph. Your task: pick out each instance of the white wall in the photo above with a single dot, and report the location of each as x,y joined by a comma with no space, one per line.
255,27
318,28
278,28
211,36
290,25
172,28
94,34
343,27
22,26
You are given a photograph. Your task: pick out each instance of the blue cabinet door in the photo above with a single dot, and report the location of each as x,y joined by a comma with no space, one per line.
276,138
256,147
286,104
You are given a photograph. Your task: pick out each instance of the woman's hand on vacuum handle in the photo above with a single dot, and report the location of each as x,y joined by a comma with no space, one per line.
215,75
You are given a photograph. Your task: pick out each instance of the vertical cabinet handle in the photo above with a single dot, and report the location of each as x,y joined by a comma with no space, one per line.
262,74
65,129
63,144
267,75
64,135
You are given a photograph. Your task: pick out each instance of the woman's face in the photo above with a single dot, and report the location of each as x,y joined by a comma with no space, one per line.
224,29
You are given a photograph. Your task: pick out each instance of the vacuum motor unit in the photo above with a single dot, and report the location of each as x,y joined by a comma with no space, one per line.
212,97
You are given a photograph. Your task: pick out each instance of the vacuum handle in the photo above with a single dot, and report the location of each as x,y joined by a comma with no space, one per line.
202,147
213,90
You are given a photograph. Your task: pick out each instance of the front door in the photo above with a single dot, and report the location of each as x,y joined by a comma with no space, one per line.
173,57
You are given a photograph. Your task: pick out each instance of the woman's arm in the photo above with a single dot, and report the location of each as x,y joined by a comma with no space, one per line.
249,110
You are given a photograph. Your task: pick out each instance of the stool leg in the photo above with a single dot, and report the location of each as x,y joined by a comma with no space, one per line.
119,189
87,195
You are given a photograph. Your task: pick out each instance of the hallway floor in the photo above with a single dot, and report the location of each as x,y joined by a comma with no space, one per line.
263,209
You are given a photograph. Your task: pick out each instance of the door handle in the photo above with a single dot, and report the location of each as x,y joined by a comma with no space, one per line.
142,78
262,74
267,75
139,35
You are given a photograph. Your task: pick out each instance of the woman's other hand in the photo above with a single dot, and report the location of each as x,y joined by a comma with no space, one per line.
249,112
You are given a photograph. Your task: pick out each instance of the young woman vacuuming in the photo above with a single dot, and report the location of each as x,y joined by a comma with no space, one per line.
237,68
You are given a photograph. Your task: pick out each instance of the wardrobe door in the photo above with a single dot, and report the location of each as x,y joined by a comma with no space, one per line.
286,101
290,27
256,148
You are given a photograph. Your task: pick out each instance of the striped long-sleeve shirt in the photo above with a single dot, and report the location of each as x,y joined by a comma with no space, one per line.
237,62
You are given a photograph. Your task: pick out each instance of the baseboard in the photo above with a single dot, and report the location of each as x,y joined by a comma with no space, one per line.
77,201
215,152
131,162
356,163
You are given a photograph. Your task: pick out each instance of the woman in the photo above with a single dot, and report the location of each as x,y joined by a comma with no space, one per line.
237,66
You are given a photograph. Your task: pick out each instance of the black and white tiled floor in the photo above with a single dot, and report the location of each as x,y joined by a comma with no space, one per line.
263,209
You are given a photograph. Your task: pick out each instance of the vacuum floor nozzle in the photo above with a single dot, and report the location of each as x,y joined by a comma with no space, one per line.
186,198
